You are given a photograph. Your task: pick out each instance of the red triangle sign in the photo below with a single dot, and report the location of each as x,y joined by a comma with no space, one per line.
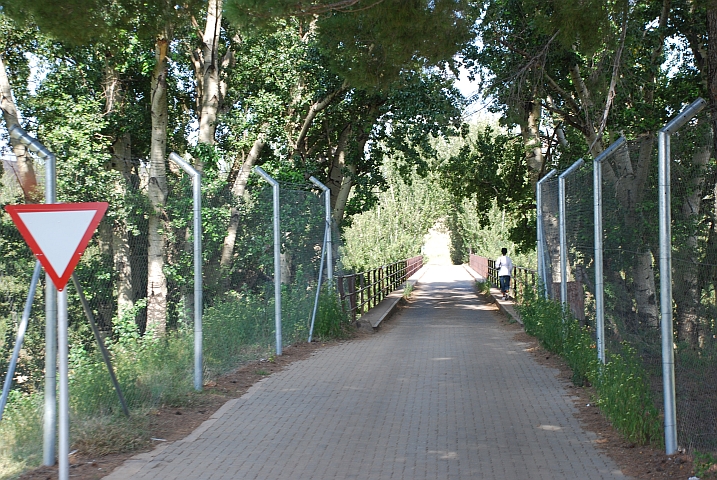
58,233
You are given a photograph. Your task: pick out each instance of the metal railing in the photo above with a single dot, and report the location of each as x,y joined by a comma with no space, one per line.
360,292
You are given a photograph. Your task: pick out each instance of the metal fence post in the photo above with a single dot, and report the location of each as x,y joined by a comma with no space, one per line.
598,234
563,235
329,246
50,409
277,256
664,206
542,270
198,300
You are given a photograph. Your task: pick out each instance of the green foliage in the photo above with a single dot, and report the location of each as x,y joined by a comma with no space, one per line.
487,168
371,45
626,399
485,238
21,433
331,319
395,227
705,464
621,384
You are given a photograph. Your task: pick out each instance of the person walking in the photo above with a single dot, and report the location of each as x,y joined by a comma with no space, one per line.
504,265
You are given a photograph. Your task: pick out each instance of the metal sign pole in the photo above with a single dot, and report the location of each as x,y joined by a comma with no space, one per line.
64,403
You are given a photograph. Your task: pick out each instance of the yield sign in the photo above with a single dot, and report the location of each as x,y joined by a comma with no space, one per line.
58,233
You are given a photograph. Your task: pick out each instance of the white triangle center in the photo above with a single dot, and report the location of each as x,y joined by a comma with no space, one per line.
58,234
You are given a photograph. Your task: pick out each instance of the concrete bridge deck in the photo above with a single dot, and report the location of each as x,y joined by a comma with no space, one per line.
442,391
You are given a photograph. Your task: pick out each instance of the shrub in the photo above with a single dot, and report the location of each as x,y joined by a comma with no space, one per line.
331,319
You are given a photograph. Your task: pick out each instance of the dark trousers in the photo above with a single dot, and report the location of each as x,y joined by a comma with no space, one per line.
504,283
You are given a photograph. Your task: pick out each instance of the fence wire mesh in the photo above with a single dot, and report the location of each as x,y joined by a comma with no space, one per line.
113,272
694,278
631,267
551,239
579,225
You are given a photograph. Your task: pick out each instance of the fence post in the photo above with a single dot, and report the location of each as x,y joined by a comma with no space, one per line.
197,232
277,256
598,234
664,205
50,408
563,235
542,275
353,298
329,247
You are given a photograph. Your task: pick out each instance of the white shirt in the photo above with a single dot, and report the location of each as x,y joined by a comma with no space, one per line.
504,265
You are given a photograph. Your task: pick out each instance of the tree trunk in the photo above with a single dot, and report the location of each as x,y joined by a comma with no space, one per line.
23,170
643,276
530,131
157,191
238,190
207,66
121,161
341,176
686,286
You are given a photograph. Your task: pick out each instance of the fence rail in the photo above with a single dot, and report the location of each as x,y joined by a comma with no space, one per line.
520,279
360,292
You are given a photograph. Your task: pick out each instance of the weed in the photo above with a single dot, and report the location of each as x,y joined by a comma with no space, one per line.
705,465
482,287
331,319
159,371
623,392
261,371
407,290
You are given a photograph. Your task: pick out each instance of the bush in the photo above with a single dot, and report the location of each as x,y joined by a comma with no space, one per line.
331,319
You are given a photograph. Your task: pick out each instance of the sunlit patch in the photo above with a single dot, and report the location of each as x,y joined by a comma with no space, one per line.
444,455
442,358
550,428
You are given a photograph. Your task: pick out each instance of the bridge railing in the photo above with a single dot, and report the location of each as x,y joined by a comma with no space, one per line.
520,278
360,292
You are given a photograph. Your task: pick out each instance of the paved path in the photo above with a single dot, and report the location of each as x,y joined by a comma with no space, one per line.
441,392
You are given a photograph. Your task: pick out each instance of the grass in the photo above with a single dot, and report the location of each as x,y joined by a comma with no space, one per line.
159,371
482,287
621,384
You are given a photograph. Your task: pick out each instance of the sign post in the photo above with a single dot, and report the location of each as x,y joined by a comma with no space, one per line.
58,234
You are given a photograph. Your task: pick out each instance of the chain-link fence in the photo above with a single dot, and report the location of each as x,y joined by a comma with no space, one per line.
116,279
631,275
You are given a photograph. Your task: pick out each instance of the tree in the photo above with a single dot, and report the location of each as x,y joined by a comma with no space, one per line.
11,48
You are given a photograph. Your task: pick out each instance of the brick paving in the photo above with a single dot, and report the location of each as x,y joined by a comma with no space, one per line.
440,392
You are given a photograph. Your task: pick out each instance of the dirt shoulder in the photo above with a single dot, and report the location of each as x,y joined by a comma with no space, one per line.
636,461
